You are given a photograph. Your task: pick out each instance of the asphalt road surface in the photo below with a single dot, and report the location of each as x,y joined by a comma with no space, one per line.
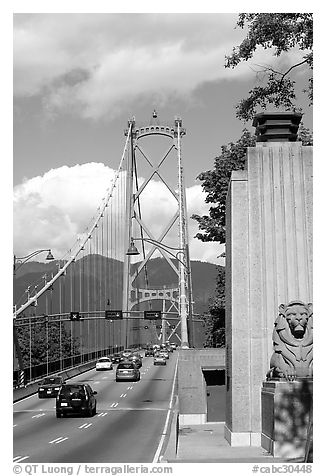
127,427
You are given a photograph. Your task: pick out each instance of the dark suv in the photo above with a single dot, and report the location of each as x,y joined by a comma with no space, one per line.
76,398
50,386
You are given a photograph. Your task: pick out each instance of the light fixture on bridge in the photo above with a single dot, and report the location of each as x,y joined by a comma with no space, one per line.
18,262
132,250
49,256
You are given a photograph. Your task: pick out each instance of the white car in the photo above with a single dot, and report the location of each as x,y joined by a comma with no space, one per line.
159,359
104,363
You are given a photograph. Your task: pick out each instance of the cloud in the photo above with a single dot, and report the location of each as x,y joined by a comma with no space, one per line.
96,64
52,210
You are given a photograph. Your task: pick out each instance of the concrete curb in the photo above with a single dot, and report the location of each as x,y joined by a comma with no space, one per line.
171,449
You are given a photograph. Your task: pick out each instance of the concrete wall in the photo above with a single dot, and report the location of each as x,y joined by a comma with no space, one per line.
191,386
268,262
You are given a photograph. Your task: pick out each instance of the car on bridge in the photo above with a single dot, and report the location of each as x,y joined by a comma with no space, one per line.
165,353
116,358
127,370
149,351
159,359
76,398
50,386
136,359
104,363
126,353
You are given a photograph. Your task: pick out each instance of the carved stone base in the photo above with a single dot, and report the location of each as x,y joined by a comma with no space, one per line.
286,407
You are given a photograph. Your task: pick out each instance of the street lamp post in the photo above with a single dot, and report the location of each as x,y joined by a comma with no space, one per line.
132,250
18,262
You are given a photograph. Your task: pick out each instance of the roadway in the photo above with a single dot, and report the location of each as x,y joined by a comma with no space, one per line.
127,428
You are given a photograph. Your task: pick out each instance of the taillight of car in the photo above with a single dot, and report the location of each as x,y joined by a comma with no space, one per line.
41,388
56,388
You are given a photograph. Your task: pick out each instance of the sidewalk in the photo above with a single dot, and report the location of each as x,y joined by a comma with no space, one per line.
206,444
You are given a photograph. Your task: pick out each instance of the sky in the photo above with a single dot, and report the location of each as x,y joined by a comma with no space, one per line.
77,80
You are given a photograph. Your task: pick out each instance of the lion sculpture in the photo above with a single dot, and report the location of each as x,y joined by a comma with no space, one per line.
292,342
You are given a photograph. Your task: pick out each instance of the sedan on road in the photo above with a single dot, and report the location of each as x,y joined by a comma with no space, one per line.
116,358
159,359
50,386
104,363
126,353
76,398
165,353
149,351
127,371
136,360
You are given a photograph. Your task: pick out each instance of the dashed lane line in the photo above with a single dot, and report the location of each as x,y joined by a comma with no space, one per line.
58,440
85,425
38,415
18,459
114,405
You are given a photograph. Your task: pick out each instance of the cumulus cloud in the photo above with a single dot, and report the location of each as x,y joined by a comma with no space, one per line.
96,64
52,210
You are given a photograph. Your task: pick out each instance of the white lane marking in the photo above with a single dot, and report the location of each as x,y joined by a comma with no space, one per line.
18,459
59,440
102,414
157,454
114,405
123,395
85,425
38,415
130,388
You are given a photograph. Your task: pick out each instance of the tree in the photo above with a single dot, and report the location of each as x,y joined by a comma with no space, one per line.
43,343
215,320
282,32
216,183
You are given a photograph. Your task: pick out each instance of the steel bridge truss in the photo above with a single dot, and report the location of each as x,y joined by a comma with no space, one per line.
177,298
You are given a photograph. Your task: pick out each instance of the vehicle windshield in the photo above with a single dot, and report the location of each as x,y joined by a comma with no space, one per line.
70,389
104,359
52,381
125,366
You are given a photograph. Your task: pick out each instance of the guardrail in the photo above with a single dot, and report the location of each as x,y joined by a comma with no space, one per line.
31,388
23,392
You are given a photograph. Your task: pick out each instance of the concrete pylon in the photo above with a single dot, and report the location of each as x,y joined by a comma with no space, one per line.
268,261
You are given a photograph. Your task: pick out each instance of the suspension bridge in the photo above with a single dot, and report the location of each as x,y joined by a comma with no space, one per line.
110,290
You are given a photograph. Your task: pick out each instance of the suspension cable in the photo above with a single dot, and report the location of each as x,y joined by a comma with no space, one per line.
81,242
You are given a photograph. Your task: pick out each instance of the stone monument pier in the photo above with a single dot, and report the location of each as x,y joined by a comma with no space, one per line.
268,263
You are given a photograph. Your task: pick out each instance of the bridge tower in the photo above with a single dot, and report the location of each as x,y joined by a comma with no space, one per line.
174,301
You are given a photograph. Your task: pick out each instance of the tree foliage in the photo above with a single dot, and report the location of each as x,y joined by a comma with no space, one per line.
38,344
215,320
280,32
216,182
